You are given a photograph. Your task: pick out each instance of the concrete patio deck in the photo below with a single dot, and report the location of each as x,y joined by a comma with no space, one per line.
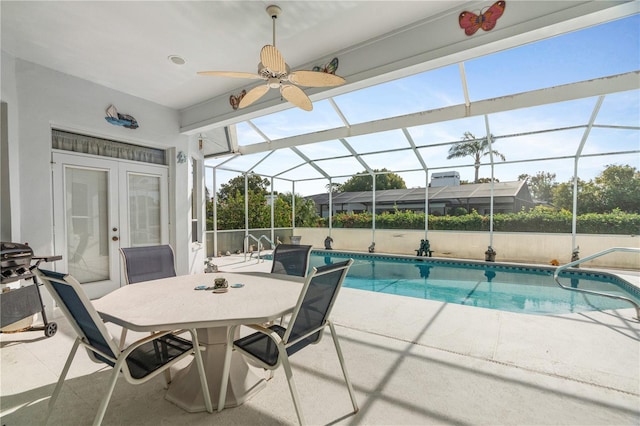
412,362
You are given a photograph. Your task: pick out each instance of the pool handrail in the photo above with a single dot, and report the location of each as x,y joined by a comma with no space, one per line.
591,257
271,243
246,245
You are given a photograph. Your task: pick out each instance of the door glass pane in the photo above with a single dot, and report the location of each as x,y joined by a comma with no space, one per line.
86,201
144,209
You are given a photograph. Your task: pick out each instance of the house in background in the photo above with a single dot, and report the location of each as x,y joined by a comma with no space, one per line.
509,197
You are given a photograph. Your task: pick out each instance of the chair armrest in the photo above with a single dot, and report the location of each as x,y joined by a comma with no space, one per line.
144,340
259,327
264,330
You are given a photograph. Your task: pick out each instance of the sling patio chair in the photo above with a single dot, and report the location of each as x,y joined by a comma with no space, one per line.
148,263
145,264
139,362
272,346
291,259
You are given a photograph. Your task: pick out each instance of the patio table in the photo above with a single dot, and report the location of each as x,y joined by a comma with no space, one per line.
173,303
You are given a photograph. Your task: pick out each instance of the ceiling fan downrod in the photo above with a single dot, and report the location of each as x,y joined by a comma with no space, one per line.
274,11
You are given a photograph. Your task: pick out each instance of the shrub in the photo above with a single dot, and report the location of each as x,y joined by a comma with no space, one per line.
540,219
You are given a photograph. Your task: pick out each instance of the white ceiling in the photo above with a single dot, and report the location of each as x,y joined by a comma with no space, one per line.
125,45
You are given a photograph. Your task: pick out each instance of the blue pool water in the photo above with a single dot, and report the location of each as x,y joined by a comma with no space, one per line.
515,288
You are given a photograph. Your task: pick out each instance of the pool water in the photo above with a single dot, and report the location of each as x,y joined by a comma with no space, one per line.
516,288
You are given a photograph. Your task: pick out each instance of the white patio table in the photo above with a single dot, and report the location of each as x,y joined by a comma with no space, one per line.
173,303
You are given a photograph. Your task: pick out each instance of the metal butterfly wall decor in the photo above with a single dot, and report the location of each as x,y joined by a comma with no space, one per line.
235,100
329,68
486,20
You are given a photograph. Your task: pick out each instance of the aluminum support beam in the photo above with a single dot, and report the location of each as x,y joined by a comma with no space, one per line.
492,184
583,141
567,92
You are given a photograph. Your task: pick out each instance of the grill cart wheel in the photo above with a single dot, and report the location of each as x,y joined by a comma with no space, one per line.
50,329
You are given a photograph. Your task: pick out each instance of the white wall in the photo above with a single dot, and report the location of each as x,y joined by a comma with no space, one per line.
39,99
8,94
523,247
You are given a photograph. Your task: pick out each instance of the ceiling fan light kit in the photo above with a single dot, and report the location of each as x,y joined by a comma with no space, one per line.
276,74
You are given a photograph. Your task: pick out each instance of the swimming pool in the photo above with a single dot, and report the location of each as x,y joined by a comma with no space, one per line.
514,288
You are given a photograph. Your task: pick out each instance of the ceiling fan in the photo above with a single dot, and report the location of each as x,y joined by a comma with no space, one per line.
277,74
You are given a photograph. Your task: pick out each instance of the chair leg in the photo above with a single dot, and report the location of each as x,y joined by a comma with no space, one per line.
344,367
63,375
123,337
292,385
105,400
225,371
203,378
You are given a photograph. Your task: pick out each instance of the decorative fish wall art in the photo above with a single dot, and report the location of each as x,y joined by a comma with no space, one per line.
117,119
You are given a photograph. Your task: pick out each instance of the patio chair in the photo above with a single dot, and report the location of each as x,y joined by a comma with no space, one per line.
139,362
148,263
272,346
291,259
145,264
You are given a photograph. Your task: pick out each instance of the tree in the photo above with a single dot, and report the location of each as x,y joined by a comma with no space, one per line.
541,185
485,180
362,181
615,188
472,147
333,187
255,184
231,212
619,187
231,205
588,199
306,215
230,201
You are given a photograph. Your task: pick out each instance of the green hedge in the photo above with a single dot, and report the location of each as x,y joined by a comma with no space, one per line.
536,220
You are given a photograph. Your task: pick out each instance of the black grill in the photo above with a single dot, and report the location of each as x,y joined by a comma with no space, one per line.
19,303
15,262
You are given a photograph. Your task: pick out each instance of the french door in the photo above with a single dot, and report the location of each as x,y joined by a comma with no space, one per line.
103,204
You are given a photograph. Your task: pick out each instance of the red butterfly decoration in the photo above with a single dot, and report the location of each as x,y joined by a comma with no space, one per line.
235,100
487,20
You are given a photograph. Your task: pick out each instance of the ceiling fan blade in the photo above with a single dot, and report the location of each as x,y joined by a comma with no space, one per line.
296,96
231,74
253,95
315,79
272,59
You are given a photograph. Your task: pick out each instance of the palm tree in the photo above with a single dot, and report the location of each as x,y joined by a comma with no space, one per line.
472,147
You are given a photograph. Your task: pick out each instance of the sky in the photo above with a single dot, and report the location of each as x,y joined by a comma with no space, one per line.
604,50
